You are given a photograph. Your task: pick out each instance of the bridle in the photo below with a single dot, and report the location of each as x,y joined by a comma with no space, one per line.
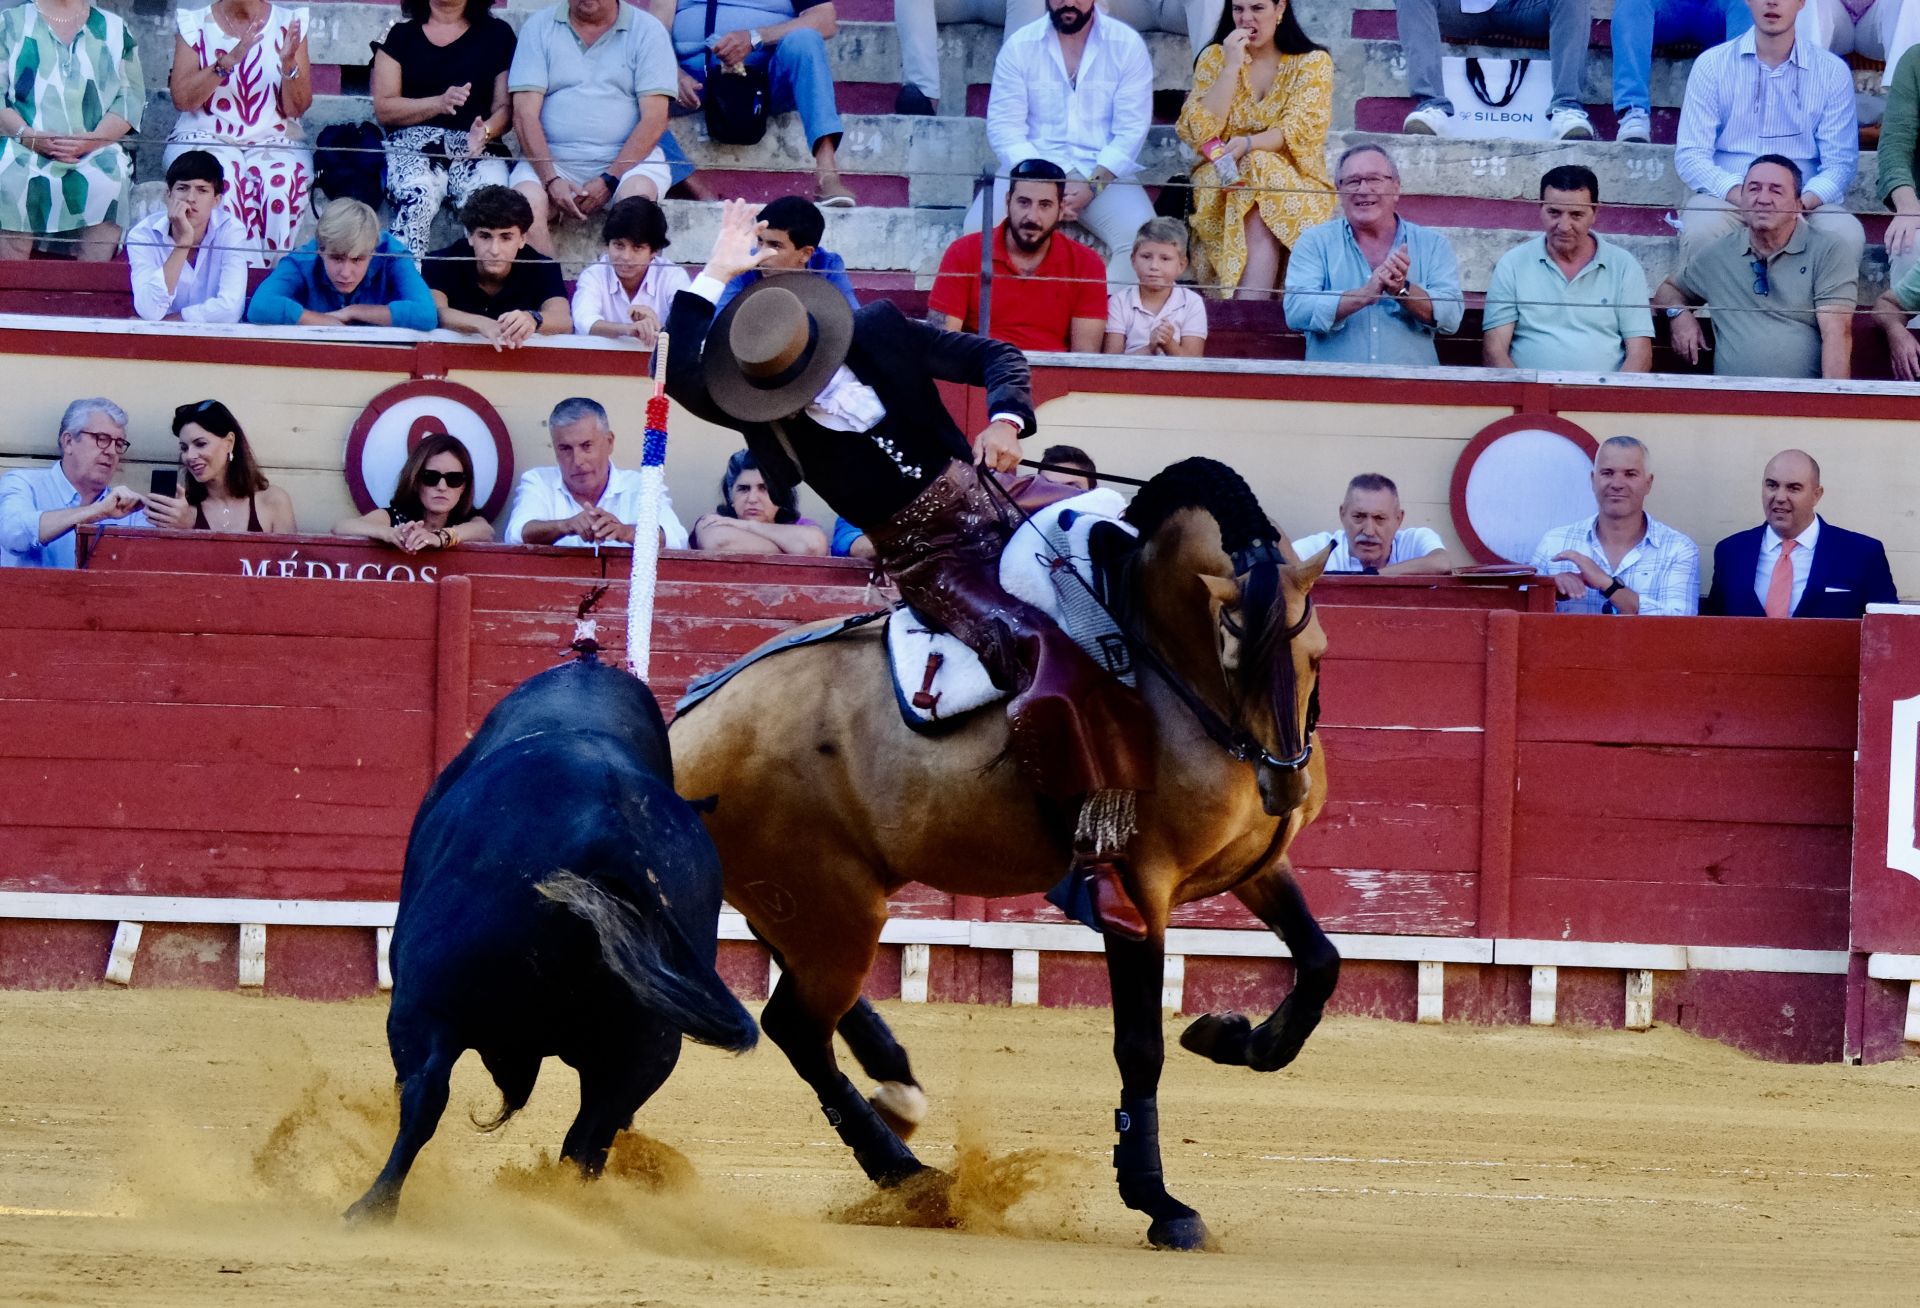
1298,747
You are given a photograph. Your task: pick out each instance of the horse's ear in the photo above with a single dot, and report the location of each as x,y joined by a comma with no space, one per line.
1224,590
1306,573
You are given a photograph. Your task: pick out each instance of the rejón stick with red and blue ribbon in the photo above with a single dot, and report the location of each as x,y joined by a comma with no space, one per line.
646,527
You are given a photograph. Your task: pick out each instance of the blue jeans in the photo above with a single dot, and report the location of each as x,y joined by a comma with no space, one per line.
798,77
1563,22
1640,25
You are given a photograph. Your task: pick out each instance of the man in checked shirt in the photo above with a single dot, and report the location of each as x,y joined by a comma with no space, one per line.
1622,559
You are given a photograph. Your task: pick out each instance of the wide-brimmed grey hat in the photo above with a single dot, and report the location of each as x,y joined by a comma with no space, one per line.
775,345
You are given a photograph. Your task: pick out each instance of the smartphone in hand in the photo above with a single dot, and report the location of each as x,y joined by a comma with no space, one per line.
166,481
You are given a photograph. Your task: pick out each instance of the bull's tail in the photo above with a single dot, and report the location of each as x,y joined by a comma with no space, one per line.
649,953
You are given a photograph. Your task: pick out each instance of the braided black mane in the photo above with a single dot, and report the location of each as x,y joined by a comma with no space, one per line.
1208,484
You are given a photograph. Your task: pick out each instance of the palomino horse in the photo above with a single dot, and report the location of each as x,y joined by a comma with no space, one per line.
827,802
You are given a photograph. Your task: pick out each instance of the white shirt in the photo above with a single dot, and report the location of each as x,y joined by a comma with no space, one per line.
213,282
1802,560
599,297
1408,543
1098,119
542,496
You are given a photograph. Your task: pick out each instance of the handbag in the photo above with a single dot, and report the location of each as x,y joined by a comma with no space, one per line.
733,99
1500,99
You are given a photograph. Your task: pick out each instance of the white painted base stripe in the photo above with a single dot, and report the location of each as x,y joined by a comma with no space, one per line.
1639,1001
1432,994
916,961
1545,1007
1894,967
126,946
1026,978
253,954
1805,962
1586,953
43,906
1913,1011
1173,983
383,957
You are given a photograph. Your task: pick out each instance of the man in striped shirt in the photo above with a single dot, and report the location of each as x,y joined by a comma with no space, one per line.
1766,93
1623,559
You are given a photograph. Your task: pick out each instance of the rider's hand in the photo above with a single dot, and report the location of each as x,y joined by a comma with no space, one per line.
998,447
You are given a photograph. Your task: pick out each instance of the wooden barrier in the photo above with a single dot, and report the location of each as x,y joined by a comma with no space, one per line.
1533,817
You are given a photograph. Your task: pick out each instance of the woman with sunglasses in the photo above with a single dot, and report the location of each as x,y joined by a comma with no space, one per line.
432,506
224,488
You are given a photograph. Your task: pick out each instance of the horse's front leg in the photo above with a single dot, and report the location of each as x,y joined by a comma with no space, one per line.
1275,898
1139,1048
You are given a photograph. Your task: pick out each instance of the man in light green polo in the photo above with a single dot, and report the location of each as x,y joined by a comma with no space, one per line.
1567,301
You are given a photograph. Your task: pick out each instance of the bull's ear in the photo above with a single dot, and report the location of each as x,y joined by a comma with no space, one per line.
1304,574
1224,590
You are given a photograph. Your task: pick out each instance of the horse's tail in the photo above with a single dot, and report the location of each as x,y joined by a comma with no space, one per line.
648,952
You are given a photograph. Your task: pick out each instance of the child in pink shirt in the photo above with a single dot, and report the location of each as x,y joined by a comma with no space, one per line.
1157,317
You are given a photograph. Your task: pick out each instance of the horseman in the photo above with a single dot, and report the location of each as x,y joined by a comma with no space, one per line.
846,401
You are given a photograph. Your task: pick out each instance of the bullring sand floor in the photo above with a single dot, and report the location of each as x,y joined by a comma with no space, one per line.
196,1148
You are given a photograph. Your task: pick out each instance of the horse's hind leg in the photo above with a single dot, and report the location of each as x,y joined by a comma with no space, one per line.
424,1069
898,1098
1275,898
1139,1048
805,1036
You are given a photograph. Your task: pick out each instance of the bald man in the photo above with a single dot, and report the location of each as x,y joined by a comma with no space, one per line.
1796,563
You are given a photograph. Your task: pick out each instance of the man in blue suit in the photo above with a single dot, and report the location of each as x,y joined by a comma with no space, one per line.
1797,564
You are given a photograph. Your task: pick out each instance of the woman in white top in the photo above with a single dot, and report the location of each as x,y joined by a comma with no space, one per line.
240,82
625,296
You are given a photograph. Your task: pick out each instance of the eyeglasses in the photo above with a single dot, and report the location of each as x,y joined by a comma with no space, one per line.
433,477
106,440
1761,286
1357,181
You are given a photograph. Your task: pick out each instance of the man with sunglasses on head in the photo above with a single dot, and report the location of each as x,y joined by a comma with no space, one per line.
1780,290
41,507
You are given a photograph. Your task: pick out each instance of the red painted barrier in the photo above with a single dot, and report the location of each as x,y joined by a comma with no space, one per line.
1516,796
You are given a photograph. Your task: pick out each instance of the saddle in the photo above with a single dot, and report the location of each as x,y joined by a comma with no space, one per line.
936,679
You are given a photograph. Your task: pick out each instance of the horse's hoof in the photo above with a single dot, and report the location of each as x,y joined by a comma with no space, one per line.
901,1106
917,1178
371,1210
1183,1234
1221,1037
1277,1041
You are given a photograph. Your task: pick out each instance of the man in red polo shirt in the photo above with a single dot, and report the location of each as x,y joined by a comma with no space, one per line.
1049,291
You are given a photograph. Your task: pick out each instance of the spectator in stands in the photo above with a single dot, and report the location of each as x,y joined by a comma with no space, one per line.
1894,311
584,499
491,282
70,89
351,272
1797,564
920,47
791,228
41,507
786,38
1568,300
1372,538
1049,292
241,82
225,489
756,517
1262,98
1156,316
625,295
591,82
1879,31
1897,156
1781,290
1623,559
1641,25
1768,94
188,259
1563,23
1077,91
1085,475
1369,286
440,90
849,542
432,505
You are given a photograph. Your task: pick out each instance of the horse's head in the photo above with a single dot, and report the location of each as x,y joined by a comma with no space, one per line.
1232,609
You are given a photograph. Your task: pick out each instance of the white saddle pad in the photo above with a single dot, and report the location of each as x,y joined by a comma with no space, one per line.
936,678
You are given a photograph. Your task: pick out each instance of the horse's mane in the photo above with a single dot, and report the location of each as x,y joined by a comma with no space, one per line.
1212,486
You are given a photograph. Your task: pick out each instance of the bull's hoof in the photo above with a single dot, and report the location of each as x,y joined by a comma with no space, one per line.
901,1105
1182,1234
1222,1037
372,1209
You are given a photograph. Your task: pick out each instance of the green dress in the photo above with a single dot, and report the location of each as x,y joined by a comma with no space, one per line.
68,91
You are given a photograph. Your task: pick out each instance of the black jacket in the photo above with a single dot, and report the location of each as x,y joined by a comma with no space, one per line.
899,358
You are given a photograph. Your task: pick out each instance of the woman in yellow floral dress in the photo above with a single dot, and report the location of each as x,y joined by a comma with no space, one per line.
1266,92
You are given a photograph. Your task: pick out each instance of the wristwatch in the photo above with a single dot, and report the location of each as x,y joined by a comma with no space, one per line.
753,35
613,183
1609,592
540,320
1674,311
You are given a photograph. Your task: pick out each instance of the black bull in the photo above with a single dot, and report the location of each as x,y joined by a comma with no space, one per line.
558,899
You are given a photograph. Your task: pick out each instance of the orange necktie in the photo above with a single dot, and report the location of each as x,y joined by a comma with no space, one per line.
1780,587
